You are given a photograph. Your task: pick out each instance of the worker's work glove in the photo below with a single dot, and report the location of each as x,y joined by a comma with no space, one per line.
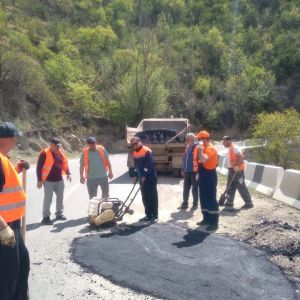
23,164
236,169
7,237
82,180
69,177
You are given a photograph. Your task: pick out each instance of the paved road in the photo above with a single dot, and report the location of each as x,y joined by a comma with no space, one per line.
152,259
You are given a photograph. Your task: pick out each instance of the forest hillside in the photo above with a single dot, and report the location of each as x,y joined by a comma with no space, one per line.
217,62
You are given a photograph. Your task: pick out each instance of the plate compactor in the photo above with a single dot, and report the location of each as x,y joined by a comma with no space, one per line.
110,210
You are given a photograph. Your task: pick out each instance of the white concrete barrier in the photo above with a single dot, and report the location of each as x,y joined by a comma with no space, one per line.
222,166
289,189
249,171
263,178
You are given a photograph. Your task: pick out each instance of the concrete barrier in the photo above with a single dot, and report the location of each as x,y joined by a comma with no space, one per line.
263,178
222,166
289,189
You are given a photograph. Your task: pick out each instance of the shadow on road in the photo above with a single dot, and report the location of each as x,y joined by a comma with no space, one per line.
126,229
229,213
122,179
192,238
58,227
165,179
181,215
33,226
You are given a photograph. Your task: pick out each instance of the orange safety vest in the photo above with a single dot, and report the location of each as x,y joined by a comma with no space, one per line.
141,152
86,158
233,159
50,161
12,197
212,162
195,157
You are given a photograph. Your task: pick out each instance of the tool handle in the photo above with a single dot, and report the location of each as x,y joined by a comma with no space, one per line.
23,225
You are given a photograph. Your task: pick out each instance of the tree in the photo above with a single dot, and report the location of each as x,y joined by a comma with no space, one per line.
142,91
279,133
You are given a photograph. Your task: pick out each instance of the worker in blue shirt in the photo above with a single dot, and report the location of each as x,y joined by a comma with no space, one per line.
189,171
146,173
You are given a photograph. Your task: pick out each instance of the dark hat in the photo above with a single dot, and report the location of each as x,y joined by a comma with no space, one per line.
55,141
91,140
226,138
8,130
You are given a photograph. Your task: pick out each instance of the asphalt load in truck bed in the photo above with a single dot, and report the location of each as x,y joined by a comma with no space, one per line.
159,136
173,262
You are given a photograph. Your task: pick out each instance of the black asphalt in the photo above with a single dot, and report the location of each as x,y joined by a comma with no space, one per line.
172,262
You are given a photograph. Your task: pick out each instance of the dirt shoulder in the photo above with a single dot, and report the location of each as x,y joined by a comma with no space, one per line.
270,226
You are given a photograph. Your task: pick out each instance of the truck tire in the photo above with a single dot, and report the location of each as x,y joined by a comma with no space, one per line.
176,173
131,172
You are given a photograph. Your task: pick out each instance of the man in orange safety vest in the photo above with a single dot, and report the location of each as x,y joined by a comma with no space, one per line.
95,168
14,257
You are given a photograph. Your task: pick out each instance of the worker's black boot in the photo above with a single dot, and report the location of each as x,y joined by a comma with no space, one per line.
184,205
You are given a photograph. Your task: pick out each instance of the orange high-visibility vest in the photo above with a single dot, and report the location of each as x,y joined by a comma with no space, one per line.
100,148
142,152
212,154
195,157
12,197
50,161
233,159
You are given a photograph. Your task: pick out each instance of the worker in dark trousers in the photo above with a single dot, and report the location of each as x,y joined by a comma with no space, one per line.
207,177
14,257
189,171
236,175
146,173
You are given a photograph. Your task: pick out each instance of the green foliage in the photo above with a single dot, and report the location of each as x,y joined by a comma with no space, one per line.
218,63
280,132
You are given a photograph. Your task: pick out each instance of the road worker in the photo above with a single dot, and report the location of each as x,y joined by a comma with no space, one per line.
51,166
189,171
208,161
95,168
14,257
236,167
146,173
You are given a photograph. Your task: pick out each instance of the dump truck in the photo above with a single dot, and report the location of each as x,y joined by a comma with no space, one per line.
166,139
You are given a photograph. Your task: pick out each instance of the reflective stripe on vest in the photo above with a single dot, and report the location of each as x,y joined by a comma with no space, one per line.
100,148
12,206
12,197
233,159
50,161
142,152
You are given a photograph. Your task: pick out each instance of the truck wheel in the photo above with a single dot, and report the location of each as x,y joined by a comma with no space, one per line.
131,172
176,173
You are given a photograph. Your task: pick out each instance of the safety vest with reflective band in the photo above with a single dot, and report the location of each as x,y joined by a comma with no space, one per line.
233,159
212,154
86,159
142,152
12,197
195,156
50,161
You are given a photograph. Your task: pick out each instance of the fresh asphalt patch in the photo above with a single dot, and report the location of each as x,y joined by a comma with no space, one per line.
172,262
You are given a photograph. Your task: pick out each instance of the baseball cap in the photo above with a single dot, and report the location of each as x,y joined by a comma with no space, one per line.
202,135
91,140
8,130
